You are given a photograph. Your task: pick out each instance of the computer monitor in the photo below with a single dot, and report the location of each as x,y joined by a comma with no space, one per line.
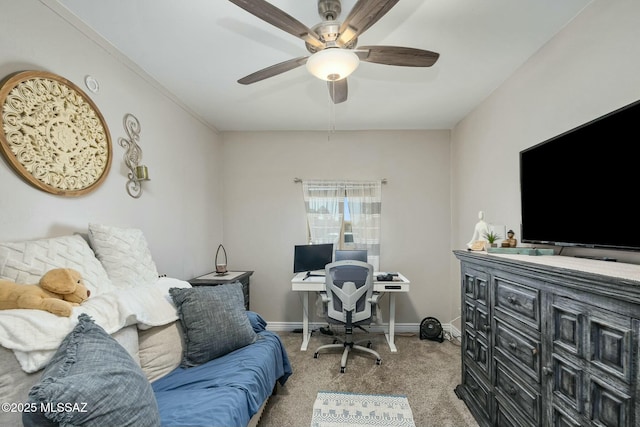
355,255
312,257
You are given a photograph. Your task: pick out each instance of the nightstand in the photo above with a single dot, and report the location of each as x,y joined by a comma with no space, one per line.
214,279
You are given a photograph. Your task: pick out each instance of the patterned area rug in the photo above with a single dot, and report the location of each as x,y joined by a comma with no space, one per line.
334,409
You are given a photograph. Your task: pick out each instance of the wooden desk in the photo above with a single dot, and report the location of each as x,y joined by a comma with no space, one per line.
316,284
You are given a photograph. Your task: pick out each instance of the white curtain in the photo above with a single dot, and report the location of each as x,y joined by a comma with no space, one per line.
324,201
364,200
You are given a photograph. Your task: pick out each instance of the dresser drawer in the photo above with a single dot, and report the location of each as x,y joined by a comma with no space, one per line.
518,349
476,286
507,417
568,382
561,418
610,405
514,390
476,317
603,337
478,391
476,349
517,302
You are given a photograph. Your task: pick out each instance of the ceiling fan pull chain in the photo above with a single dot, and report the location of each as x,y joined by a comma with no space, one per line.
332,114
332,109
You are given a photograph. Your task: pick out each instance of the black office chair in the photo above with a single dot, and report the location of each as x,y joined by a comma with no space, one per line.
349,298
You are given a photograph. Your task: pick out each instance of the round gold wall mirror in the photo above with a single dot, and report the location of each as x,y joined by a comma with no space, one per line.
52,134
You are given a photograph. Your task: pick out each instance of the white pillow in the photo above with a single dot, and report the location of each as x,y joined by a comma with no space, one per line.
124,254
127,337
27,261
160,350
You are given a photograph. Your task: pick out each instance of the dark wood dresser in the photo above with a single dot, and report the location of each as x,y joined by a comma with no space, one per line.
549,340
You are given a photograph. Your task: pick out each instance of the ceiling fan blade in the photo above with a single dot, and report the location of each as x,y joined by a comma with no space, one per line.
273,70
363,15
394,55
280,19
338,89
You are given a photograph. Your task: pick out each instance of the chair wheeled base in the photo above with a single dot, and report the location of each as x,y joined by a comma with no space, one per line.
348,347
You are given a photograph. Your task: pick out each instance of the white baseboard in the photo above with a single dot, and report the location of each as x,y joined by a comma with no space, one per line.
454,332
401,328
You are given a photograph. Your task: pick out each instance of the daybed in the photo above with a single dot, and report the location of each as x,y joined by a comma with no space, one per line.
140,351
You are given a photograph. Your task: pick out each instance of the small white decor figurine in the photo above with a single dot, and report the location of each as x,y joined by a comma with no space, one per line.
481,229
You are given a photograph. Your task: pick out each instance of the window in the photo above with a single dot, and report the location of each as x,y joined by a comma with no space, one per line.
346,239
345,213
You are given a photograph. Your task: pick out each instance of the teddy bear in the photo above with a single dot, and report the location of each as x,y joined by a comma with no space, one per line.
57,292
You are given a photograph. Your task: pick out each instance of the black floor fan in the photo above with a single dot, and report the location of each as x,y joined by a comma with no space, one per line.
431,329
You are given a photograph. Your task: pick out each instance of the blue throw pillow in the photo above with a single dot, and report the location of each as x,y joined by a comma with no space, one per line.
257,322
92,381
214,321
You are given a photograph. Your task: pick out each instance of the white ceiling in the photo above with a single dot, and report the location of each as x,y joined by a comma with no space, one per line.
198,49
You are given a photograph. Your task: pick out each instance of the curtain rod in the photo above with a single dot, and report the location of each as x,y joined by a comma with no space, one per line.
299,180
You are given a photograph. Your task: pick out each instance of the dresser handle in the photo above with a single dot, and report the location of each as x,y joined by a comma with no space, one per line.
547,371
512,300
513,391
513,345
486,328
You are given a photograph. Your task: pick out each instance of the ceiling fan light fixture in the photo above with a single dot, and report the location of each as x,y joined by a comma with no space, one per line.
332,63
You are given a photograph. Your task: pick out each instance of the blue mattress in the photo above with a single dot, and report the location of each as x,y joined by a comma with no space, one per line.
226,391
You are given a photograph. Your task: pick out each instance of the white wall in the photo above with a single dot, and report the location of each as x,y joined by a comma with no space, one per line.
180,208
264,212
590,68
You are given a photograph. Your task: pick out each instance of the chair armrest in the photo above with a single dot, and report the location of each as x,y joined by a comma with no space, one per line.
375,297
324,296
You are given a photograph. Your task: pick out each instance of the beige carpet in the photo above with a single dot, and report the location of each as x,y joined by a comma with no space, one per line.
425,371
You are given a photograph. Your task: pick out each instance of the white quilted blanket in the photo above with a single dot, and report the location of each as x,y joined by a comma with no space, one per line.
34,335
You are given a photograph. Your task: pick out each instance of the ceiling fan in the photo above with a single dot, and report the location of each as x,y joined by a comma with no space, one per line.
333,44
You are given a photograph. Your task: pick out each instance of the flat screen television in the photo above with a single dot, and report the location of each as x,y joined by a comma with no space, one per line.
352,254
578,188
312,257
